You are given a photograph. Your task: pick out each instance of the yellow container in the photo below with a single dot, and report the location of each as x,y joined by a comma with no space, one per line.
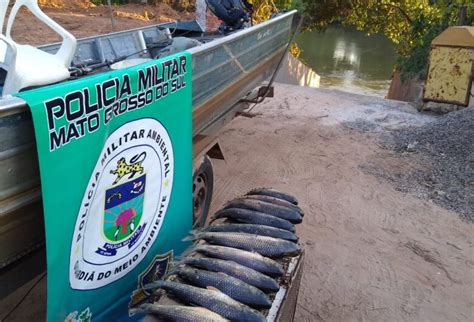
450,72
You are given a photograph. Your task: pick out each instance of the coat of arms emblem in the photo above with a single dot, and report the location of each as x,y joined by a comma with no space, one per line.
123,209
123,206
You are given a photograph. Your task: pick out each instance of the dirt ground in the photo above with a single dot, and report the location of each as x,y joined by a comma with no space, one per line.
372,253
83,19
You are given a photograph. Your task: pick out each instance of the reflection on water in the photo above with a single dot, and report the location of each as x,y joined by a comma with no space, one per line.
349,59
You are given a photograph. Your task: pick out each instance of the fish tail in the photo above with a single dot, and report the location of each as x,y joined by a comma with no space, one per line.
186,253
204,229
154,285
144,308
178,259
135,311
194,235
216,216
174,270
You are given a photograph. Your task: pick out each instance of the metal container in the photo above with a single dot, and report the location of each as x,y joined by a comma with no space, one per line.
451,67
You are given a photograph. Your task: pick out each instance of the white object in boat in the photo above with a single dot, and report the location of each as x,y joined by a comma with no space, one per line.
28,66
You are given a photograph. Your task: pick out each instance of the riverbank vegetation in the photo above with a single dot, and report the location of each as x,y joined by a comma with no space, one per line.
410,24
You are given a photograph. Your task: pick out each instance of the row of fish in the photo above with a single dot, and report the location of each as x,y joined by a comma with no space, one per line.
233,266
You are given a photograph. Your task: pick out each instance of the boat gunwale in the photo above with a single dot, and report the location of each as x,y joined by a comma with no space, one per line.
241,33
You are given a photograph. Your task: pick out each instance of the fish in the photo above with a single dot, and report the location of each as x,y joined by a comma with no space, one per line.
265,246
267,208
276,201
253,217
243,273
254,229
231,286
273,193
211,299
179,313
255,261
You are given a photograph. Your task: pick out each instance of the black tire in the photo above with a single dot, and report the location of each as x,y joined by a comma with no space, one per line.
203,186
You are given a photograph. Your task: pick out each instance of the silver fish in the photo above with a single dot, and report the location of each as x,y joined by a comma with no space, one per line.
213,300
255,261
254,229
265,246
253,217
286,213
179,313
273,193
231,286
276,201
243,273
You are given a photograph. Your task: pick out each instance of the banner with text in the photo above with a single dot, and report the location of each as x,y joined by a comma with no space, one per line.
115,152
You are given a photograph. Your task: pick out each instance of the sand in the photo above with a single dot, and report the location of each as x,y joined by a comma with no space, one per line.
372,253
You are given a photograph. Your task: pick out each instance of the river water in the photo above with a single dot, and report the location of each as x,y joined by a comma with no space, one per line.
349,60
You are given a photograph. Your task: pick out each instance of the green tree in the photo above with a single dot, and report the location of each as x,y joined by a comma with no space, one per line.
411,24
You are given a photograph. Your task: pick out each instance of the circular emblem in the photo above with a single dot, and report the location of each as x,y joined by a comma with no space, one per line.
123,206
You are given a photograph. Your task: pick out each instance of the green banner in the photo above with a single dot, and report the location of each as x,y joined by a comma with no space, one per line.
115,152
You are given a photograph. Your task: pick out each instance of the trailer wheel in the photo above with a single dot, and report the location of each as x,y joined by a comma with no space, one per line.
203,186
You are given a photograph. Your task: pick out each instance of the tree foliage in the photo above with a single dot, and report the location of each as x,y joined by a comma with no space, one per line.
262,9
411,24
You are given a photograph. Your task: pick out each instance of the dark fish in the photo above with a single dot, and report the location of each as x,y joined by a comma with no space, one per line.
273,193
265,246
179,313
254,217
255,261
276,201
231,286
213,300
254,229
267,208
243,273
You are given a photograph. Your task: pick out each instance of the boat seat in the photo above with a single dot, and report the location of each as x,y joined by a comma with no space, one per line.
28,66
